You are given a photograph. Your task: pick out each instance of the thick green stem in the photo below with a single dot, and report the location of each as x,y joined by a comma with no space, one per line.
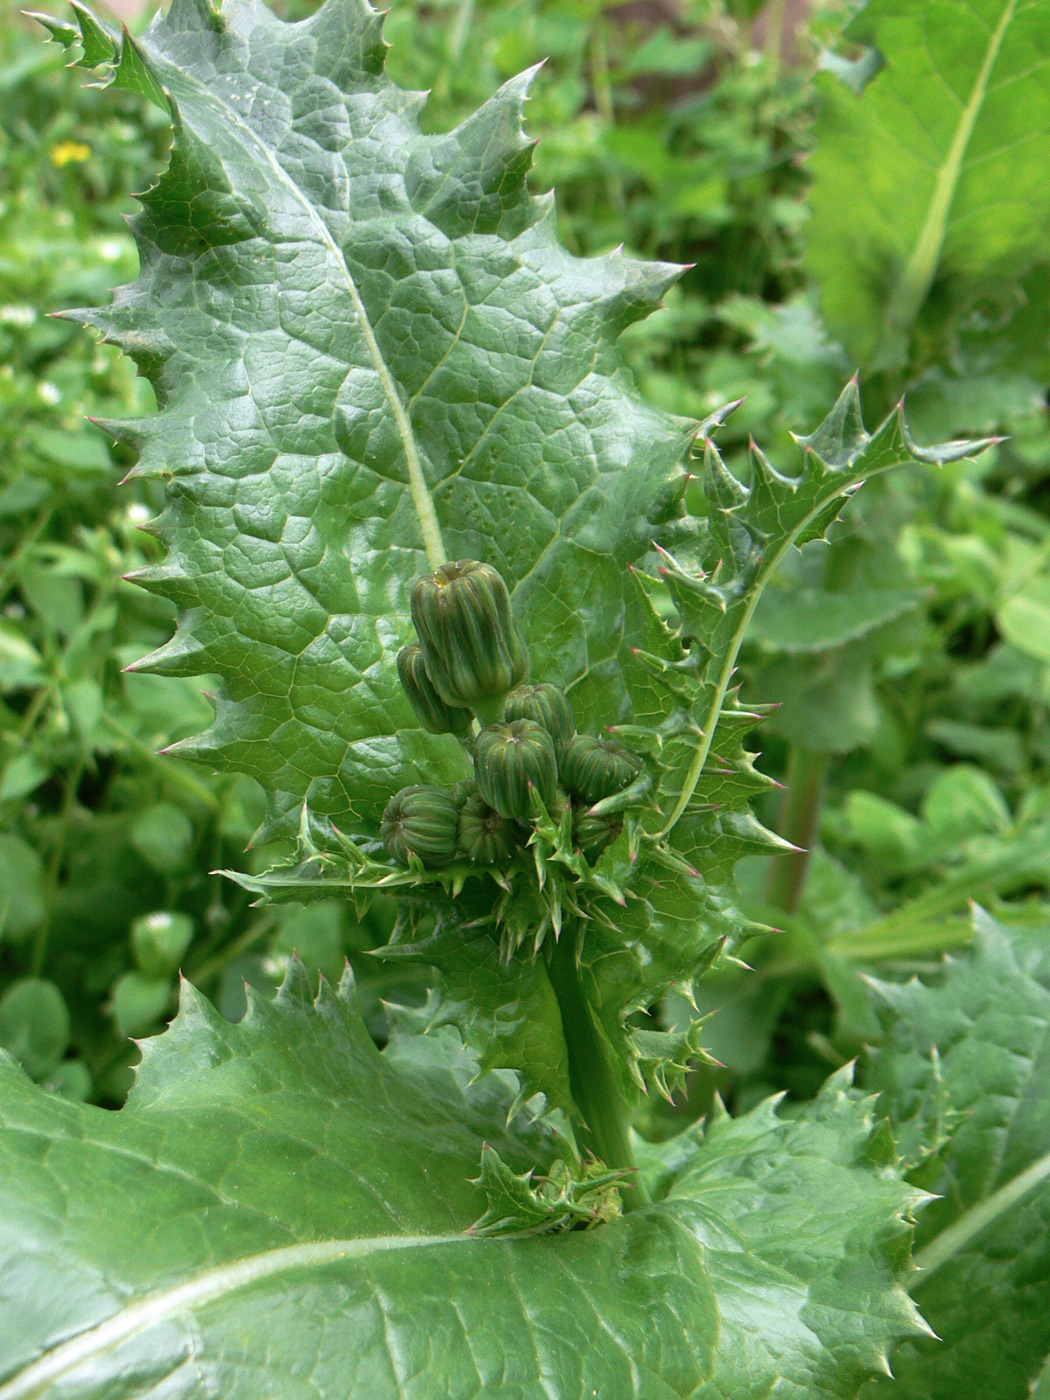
798,824
590,1073
490,711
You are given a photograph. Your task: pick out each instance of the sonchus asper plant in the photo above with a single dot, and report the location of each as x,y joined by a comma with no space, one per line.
482,660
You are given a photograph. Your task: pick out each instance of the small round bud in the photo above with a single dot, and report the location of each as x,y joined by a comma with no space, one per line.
433,714
544,704
593,768
485,837
472,647
421,821
509,760
593,834
461,790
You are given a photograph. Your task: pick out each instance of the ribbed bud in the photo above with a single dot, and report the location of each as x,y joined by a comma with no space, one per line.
593,768
461,790
509,760
544,704
421,821
471,644
485,837
593,834
433,714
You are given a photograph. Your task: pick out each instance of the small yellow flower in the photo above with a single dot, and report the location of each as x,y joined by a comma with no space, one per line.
67,151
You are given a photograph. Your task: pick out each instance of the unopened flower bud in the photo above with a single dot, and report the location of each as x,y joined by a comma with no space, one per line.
593,834
485,837
509,761
432,712
544,704
473,649
594,767
421,821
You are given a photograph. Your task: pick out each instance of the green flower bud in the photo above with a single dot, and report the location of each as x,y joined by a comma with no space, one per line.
462,791
544,704
433,714
485,837
593,834
473,649
421,821
593,768
509,760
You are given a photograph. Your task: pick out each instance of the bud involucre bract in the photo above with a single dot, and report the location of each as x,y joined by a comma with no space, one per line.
422,821
592,767
472,647
485,837
509,760
433,713
544,704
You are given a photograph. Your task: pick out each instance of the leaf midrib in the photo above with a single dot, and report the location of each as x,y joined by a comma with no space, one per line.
961,1232
422,500
205,1287
914,286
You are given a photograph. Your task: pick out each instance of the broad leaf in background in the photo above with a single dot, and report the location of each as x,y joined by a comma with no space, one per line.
291,1199
979,1038
930,187
371,354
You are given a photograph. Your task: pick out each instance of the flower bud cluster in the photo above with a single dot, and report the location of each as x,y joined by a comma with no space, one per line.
471,659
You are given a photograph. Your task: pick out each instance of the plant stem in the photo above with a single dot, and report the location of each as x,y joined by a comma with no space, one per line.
603,101
798,824
590,1072
490,711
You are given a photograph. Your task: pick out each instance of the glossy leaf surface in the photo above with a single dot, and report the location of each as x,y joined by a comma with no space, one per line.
371,354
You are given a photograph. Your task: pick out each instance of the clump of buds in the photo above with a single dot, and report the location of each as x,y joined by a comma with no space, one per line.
471,661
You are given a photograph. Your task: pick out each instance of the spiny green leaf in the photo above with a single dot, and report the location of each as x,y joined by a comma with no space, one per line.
980,1037
520,1204
508,1015
932,180
370,352
289,1198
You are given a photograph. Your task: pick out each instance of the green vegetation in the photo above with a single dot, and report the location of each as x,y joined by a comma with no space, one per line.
257,727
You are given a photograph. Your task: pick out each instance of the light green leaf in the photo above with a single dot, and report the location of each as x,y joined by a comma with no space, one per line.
34,1025
815,621
163,835
139,1001
983,1033
21,887
963,801
1024,618
289,1197
21,665
371,353
933,179
159,941
24,773
828,701
889,832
